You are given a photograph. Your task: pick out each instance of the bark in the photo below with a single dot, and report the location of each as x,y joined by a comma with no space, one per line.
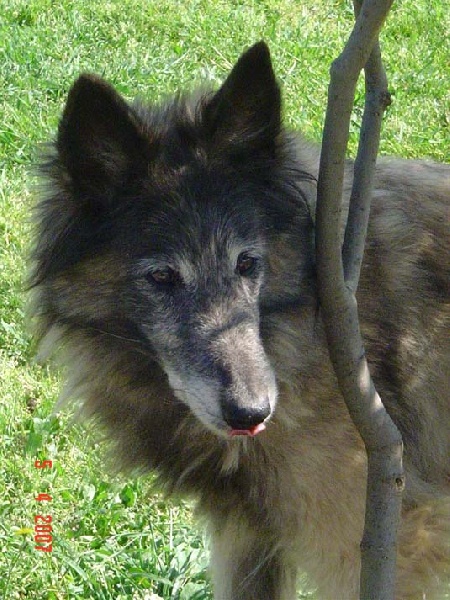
338,273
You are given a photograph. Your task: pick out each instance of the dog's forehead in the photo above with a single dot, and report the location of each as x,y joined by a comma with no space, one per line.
202,206
191,227
197,231
197,241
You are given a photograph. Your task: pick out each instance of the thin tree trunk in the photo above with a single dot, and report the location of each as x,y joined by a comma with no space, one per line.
338,280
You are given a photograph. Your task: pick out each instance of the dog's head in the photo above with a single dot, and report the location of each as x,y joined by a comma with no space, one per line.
177,224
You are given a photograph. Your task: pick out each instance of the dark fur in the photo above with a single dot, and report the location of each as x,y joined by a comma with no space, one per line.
195,179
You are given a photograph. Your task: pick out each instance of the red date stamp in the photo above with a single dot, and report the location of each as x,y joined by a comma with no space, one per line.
43,523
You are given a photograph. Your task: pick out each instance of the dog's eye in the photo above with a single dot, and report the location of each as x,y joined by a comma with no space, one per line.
246,264
163,276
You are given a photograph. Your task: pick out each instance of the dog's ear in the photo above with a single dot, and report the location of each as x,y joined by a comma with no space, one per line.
245,113
98,138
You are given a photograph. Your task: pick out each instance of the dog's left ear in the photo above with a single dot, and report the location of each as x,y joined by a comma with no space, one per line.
245,114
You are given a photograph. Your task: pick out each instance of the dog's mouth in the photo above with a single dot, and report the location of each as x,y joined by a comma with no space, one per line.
250,432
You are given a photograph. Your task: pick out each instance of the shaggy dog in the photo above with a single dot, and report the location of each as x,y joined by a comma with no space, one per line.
174,264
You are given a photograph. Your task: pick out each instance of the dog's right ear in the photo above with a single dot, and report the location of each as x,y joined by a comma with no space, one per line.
98,139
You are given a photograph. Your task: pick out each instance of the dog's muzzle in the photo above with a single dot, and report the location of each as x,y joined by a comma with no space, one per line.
246,420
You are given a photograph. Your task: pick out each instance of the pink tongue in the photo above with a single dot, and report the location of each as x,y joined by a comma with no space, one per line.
251,432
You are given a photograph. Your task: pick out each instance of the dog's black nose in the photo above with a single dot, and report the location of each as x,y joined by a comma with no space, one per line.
244,418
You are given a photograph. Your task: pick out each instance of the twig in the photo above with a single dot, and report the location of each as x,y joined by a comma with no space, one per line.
377,99
381,437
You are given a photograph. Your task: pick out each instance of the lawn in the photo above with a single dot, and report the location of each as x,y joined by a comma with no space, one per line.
113,537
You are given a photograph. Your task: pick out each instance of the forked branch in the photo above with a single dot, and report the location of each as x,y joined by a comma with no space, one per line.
338,273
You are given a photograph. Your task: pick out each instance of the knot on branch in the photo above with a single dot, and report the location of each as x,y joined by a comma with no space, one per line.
400,482
385,99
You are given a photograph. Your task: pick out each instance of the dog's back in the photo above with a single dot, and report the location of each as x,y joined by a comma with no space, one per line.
175,261
406,313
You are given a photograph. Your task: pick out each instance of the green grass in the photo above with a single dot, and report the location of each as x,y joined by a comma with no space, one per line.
112,538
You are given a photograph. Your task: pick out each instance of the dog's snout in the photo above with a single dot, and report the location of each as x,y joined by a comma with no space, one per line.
243,418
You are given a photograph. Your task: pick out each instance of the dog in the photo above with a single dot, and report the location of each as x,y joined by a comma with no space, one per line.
174,267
